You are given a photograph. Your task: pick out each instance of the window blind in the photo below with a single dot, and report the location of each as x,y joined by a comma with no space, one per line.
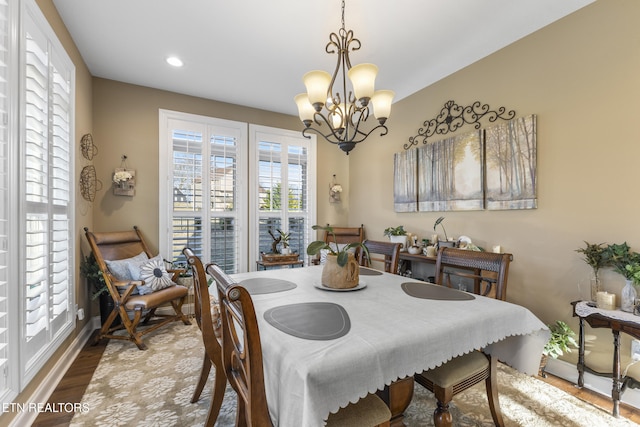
4,194
206,207
47,199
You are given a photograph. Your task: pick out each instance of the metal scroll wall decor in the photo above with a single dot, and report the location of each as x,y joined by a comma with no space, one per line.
452,117
491,168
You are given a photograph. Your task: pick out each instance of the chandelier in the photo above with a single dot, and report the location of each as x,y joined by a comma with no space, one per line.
343,114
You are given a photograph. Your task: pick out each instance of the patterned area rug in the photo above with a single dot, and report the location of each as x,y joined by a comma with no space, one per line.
154,388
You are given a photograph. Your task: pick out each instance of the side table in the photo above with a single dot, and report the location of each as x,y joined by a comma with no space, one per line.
265,264
616,320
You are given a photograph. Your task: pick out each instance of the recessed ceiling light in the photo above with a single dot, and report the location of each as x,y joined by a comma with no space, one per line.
175,61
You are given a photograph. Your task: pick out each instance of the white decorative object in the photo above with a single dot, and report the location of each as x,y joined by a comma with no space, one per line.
628,297
400,239
606,301
334,191
124,182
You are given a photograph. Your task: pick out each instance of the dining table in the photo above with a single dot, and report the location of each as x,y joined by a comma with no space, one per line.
324,348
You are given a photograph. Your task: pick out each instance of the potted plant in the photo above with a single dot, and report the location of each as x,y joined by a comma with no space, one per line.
620,256
397,235
284,239
341,270
90,269
596,256
446,241
562,340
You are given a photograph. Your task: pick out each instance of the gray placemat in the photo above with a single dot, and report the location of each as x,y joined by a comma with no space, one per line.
364,271
430,291
310,320
267,285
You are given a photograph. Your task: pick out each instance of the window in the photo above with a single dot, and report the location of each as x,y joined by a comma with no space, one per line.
205,210
36,182
212,193
284,195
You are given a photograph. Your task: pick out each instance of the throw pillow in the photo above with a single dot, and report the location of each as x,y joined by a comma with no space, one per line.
120,268
155,275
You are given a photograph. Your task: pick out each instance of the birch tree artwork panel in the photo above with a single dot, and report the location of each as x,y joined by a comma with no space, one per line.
450,174
405,191
511,165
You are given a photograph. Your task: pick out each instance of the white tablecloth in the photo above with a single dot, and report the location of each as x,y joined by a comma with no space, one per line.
393,335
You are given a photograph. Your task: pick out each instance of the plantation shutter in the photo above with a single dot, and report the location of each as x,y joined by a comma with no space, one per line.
4,195
283,196
47,199
208,211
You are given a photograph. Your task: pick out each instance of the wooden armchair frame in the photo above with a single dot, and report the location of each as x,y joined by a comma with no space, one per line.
207,316
121,245
488,270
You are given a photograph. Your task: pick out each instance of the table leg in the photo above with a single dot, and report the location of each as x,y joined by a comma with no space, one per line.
615,392
581,354
398,396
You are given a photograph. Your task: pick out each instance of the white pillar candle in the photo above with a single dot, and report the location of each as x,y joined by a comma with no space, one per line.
606,301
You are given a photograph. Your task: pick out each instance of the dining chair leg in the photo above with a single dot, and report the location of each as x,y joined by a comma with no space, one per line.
442,416
491,384
219,386
204,375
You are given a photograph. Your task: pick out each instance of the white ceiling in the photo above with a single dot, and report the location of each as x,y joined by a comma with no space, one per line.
254,52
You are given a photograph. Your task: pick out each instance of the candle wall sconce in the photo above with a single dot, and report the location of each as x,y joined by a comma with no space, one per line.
334,191
124,180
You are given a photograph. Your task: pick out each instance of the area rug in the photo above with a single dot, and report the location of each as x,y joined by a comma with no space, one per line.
154,388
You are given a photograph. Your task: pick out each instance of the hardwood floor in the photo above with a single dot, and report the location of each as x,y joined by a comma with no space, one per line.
72,386
75,381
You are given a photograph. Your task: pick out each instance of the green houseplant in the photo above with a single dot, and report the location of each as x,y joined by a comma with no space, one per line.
91,271
623,261
395,231
562,340
596,256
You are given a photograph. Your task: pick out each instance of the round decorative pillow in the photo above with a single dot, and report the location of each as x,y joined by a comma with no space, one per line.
155,274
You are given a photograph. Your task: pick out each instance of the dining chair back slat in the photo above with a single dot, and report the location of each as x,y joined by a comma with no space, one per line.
387,253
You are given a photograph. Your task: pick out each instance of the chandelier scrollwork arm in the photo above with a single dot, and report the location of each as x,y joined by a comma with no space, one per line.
330,101
453,116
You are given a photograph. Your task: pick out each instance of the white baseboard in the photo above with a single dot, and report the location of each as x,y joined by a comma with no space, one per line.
602,385
54,376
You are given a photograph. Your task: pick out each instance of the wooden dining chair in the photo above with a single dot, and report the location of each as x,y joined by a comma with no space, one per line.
387,253
117,254
242,358
489,272
341,236
207,314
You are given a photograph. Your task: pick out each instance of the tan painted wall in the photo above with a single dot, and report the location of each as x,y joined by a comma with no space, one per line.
580,76
126,123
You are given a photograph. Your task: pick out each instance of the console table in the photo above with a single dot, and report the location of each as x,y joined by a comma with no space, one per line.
616,320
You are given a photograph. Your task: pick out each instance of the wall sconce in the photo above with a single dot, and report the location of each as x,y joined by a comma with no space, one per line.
334,191
124,180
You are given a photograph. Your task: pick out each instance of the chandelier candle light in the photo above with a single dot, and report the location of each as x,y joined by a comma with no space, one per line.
343,116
